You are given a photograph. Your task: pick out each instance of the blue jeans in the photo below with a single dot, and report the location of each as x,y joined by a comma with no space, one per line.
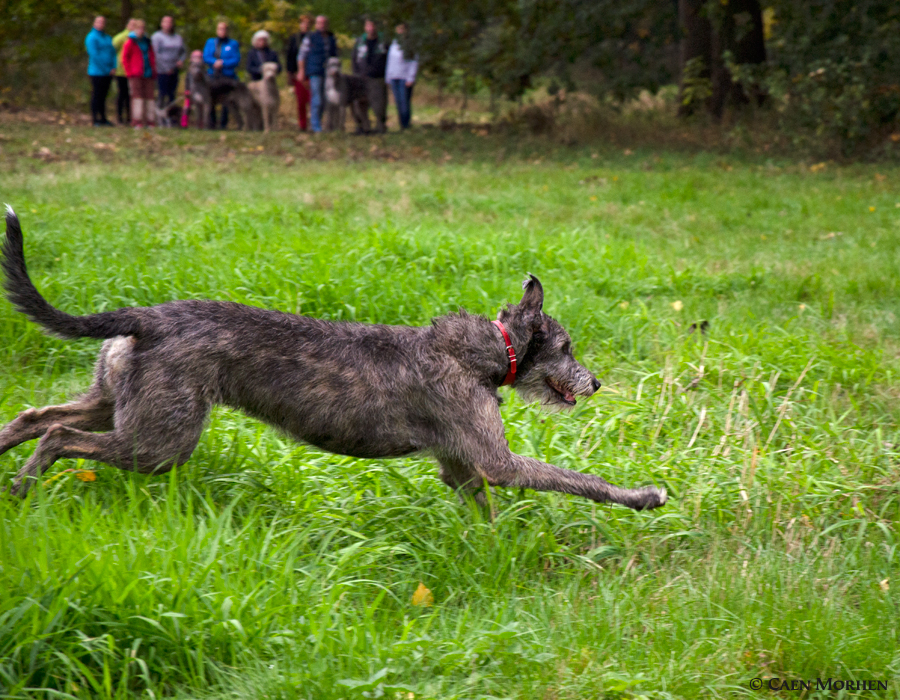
168,84
316,102
402,98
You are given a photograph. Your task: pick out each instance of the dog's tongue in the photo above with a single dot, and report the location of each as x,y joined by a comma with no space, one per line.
570,396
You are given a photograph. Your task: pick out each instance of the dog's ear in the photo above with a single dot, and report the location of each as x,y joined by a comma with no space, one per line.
533,298
532,301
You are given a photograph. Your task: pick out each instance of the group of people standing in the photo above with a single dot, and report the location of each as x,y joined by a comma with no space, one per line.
139,64
142,66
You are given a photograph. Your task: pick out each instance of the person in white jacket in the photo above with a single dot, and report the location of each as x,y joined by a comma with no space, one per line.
400,74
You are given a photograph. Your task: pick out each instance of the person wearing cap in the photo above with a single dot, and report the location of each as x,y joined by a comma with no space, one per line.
259,54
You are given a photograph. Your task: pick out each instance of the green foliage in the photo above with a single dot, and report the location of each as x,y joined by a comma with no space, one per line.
833,68
696,86
505,45
264,568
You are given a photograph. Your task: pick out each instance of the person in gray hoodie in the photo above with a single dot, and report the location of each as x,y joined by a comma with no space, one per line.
170,54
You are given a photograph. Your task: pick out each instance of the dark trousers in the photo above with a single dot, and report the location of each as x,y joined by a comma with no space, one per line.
123,100
213,121
99,90
403,100
168,84
376,92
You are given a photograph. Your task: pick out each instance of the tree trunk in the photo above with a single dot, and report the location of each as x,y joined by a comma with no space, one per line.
127,9
738,28
696,43
740,32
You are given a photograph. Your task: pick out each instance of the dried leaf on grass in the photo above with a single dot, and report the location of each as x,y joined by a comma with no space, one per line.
422,598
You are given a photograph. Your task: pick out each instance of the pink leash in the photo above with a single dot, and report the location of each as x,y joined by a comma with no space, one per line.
185,113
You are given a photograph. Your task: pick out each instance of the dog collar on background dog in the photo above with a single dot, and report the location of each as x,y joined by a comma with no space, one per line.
511,351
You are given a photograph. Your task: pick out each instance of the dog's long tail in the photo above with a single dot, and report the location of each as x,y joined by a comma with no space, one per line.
27,299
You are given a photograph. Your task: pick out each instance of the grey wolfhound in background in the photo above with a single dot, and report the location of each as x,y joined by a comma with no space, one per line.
349,388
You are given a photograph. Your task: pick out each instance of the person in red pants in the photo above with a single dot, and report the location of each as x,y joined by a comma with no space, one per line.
301,87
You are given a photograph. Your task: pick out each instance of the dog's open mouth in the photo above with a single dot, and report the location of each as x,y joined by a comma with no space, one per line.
562,393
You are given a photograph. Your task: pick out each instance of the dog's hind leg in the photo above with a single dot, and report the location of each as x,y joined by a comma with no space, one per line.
153,448
61,441
158,419
92,412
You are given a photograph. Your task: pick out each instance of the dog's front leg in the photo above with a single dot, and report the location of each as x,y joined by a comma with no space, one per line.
474,447
526,472
468,468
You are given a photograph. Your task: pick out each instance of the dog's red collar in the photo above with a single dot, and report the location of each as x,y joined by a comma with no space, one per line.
511,351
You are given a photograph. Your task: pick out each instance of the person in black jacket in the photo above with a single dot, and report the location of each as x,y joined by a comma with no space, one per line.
369,61
259,54
301,88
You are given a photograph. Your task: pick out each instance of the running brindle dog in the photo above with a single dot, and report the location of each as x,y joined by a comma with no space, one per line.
349,388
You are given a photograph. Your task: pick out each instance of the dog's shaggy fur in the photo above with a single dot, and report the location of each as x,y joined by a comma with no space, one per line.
201,94
343,91
265,93
350,388
236,96
168,116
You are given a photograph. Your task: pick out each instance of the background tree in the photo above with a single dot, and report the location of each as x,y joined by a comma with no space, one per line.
715,35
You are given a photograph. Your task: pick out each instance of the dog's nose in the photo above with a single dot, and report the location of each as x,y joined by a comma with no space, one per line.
595,384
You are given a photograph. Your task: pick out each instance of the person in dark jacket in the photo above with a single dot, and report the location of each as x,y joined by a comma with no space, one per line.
369,61
259,54
223,55
101,69
316,49
301,88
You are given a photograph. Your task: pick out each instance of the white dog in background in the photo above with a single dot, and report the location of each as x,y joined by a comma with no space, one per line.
265,93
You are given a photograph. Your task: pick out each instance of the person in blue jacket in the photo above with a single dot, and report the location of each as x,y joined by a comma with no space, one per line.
222,54
101,69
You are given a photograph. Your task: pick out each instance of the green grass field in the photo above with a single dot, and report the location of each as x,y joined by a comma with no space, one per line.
263,568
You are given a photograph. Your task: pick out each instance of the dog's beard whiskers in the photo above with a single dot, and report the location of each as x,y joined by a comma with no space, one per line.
544,397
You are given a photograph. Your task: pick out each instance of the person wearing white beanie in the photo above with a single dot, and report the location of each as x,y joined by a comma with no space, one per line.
259,54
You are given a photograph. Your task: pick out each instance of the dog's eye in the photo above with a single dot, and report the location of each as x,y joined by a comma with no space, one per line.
567,348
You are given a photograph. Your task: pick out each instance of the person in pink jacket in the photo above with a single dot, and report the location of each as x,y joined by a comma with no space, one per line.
140,67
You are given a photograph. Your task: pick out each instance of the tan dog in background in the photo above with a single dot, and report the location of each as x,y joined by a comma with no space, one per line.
265,93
